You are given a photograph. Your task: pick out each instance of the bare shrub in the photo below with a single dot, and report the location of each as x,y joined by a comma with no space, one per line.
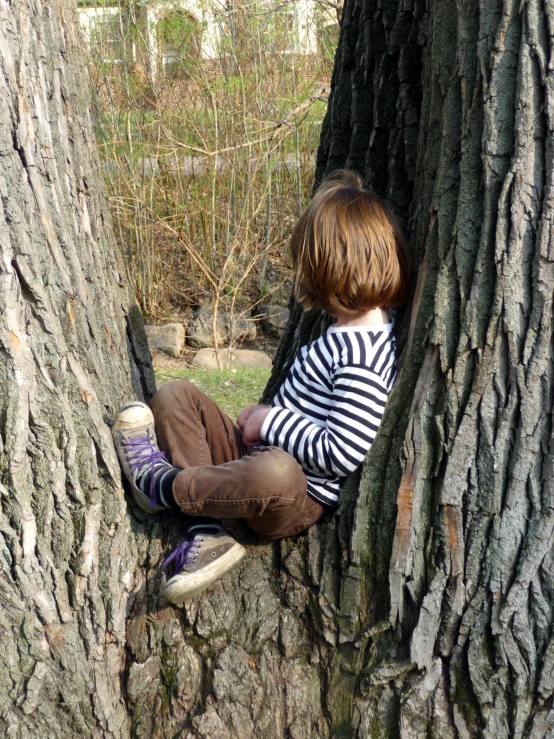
207,125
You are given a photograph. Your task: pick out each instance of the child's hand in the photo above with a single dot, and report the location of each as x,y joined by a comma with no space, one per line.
253,425
246,413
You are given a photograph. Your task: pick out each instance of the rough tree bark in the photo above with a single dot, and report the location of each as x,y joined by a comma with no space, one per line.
445,610
433,621
72,347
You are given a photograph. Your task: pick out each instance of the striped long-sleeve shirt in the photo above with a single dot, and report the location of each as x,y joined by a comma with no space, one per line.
327,412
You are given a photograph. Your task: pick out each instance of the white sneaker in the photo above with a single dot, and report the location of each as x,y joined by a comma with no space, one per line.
199,562
134,437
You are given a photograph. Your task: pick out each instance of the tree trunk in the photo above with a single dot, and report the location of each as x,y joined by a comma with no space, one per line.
72,348
447,574
424,607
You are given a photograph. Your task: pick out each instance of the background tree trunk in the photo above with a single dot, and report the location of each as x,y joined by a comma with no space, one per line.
433,622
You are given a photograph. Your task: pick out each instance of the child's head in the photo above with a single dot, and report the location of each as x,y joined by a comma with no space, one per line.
348,250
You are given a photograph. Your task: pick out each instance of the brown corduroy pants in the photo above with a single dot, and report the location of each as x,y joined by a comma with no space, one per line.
223,478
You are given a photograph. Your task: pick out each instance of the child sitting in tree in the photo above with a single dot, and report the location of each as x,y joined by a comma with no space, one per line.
280,468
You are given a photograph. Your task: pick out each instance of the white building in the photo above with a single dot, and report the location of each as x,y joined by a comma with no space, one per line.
173,29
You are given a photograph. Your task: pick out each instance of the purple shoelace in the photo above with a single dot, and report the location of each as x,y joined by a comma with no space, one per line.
185,554
140,453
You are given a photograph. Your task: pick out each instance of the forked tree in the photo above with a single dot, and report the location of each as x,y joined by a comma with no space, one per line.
425,606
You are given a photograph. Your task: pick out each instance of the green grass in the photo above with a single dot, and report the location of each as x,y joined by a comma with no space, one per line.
231,389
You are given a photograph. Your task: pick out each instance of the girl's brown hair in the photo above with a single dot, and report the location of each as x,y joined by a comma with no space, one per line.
348,250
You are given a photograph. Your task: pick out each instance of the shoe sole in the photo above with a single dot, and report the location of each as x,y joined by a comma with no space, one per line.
143,501
184,587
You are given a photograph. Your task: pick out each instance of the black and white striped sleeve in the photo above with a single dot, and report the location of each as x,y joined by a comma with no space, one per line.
339,447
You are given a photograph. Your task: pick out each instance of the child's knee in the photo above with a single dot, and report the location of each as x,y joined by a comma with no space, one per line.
169,396
279,471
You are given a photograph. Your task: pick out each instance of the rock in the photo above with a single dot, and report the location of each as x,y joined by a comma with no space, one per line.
200,333
237,359
241,329
228,328
169,338
274,318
